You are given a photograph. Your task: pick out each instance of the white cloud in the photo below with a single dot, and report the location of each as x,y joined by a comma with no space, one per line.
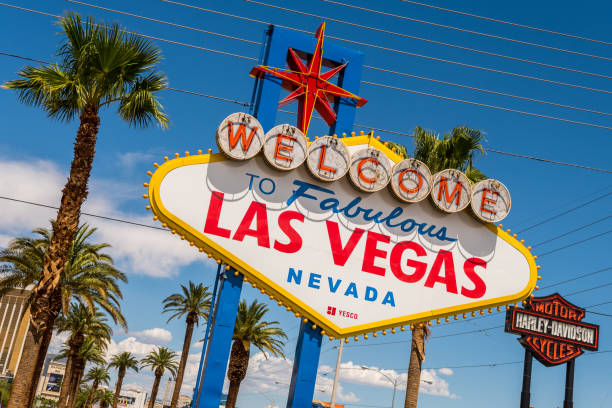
129,159
58,341
445,371
156,335
137,249
131,345
431,383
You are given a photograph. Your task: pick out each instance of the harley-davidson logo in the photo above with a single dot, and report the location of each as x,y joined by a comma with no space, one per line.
552,328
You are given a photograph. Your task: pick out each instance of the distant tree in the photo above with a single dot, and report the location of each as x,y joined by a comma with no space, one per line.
80,323
100,65
194,304
104,397
98,375
251,330
159,360
122,362
91,351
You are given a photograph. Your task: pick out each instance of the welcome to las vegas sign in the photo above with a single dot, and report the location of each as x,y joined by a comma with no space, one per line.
342,231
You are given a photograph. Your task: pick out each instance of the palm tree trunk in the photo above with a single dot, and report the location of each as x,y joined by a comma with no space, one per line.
75,381
155,388
94,388
236,371
47,303
120,376
184,355
75,346
34,351
417,356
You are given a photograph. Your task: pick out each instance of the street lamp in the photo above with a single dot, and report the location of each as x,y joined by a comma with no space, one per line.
282,383
393,381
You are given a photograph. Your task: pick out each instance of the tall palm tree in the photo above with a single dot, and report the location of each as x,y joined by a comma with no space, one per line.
122,362
91,351
193,303
98,375
80,323
87,276
159,360
100,65
420,333
454,150
251,330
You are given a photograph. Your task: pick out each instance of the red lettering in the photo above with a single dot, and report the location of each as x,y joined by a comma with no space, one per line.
406,189
339,253
372,252
295,240
488,201
396,258
446,258
444,188
479,286
240,135
322,165
363,178
280,146
211,226
258,212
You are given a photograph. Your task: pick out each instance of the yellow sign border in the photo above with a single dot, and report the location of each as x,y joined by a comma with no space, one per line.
195,238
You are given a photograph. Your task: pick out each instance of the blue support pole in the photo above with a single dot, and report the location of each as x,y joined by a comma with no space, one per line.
305,365
211,312
220,342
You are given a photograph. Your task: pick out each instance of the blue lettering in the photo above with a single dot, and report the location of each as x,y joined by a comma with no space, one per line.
351,290
330,204
333,288
389,299
301,191
297,276
253,176
272,185
314,281
371,294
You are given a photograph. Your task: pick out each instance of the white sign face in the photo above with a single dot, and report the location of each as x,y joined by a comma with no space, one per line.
411,180
285,147
452,191
490,200
351,262
240,136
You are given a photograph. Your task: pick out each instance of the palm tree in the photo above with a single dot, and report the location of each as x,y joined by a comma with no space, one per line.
104,397
91,351
159,360
81,323
84,394
100,65
420,333
250,329
122,362
98,375
193,303
455,150
88,276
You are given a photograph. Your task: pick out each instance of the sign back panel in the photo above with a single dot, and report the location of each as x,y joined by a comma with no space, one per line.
351,262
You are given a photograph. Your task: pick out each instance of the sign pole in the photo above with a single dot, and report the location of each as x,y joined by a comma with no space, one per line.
196,391
305,365
220,341
569,384
526,392
336,374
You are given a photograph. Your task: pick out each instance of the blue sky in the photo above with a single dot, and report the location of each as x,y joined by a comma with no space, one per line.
35,154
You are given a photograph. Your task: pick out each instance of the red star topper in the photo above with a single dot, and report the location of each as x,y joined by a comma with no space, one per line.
308,85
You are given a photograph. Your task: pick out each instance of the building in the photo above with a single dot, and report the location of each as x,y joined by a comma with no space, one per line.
50,381
14,324
132,398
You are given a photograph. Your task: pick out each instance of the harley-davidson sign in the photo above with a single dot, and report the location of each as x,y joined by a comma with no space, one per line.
340,229
552,328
